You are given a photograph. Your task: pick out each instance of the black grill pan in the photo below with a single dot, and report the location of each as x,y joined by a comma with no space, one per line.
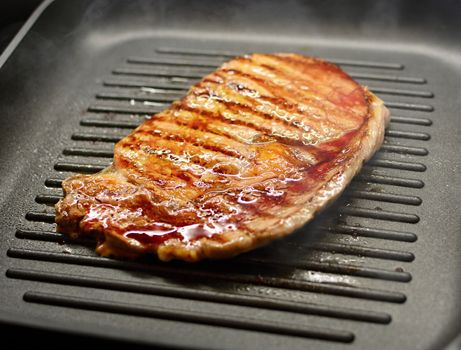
379,269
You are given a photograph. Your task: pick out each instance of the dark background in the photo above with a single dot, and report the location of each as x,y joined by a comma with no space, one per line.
13,14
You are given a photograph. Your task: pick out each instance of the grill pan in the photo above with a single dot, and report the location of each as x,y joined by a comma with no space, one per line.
380,268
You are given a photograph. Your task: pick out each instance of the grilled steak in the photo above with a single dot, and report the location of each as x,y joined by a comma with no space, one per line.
251,153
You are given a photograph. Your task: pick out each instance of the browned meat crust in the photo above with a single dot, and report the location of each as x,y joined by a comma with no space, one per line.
250,154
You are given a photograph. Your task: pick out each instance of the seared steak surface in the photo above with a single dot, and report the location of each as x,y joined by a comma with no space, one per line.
250,154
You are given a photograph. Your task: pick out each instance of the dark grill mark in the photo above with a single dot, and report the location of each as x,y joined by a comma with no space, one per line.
197,141
280,101
276,102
